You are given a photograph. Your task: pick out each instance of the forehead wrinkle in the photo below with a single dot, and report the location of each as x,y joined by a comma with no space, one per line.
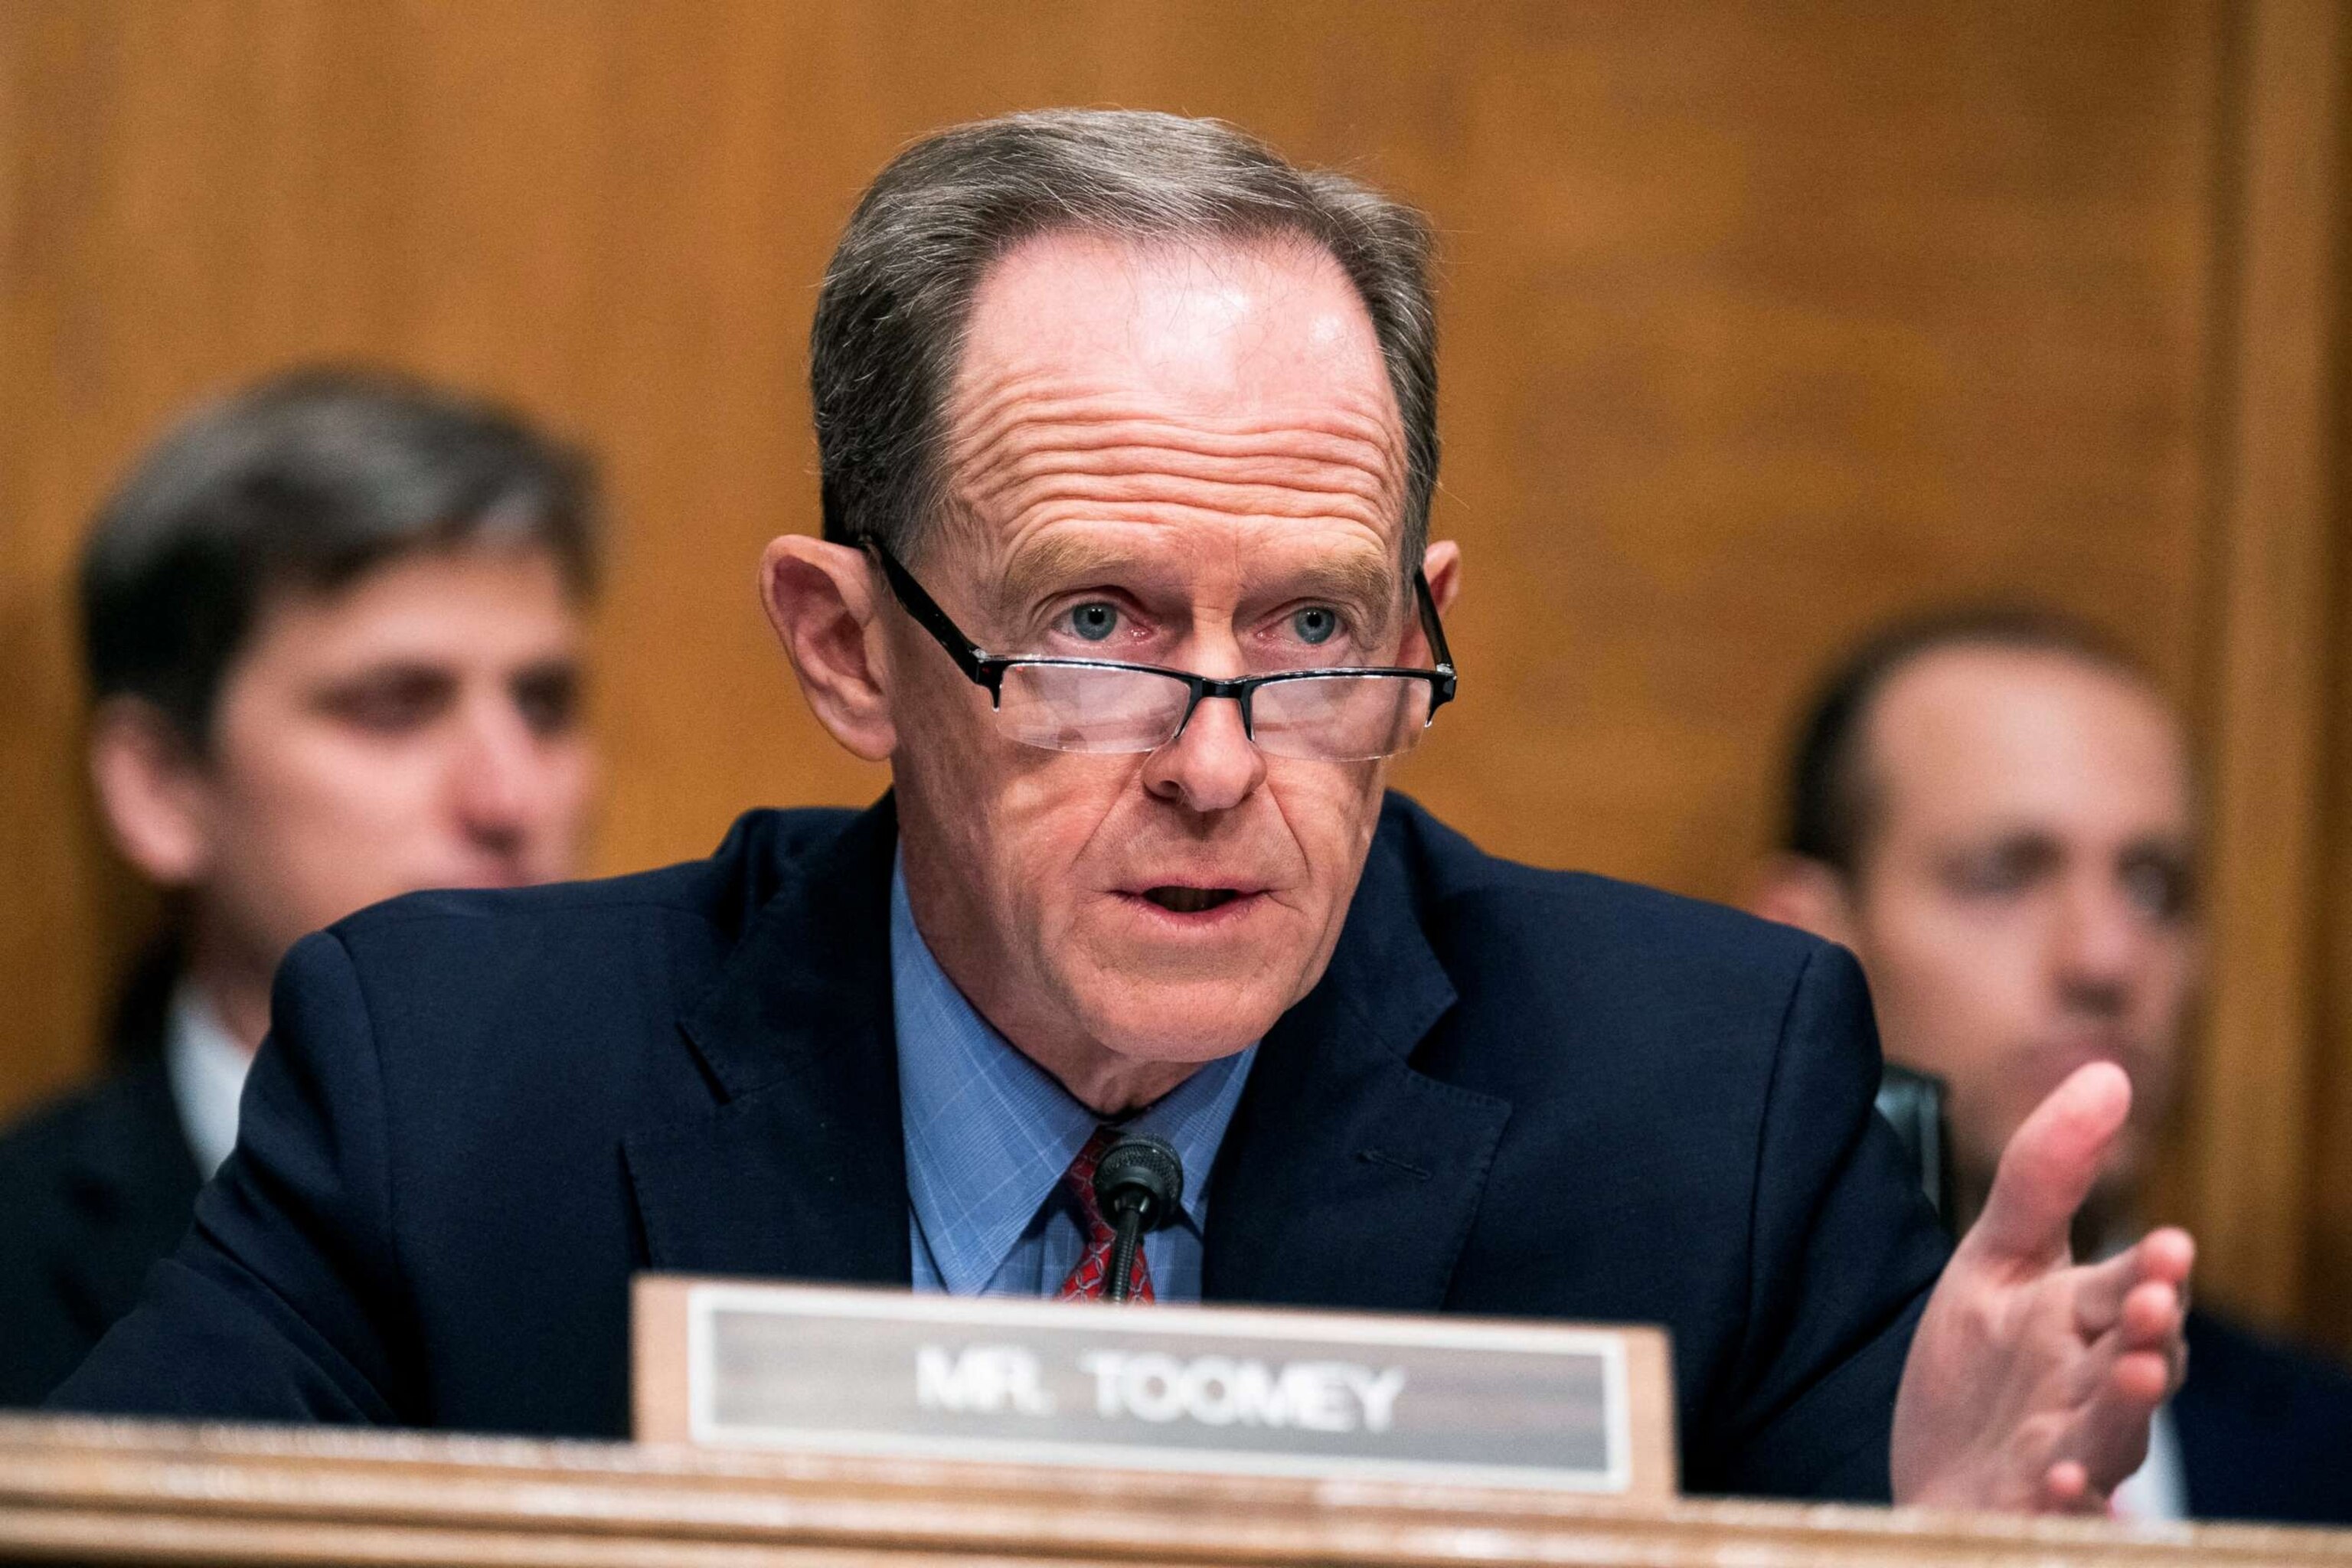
983,414
1253,447
1166,469
1271,487
1065,497
1342,447
1043,413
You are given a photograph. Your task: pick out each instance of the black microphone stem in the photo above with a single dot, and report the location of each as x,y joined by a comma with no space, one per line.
1122,1250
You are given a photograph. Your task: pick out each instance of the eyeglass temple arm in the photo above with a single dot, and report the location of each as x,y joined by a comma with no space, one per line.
1440,655
975,665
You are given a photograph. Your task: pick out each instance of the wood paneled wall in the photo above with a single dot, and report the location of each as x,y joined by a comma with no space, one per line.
1760,323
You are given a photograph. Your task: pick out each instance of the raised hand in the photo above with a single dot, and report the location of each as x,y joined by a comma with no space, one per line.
2032,1379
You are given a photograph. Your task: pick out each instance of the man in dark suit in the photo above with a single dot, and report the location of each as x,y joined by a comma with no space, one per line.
98,1186
332,628
1127,437
1995,810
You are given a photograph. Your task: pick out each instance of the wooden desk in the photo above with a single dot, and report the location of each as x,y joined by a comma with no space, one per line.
132,1492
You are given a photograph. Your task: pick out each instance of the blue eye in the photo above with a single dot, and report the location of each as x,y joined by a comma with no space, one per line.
1316,624
1095,622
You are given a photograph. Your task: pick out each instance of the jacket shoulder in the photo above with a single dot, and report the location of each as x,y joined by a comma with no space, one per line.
1469,899
725,889
39,1140
95,1185
477,992
39,1150
1562,978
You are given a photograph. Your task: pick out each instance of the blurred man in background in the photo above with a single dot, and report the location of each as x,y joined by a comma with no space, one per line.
1997,813
333,634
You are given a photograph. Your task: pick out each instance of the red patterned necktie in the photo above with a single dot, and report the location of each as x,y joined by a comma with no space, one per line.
1090,1280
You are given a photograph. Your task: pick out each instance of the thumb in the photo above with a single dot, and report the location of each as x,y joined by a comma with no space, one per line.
2048,1166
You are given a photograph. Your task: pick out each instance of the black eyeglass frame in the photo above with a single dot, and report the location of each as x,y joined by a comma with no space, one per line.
987,670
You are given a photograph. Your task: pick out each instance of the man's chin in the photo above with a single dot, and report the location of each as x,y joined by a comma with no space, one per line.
1192,996
1199,1022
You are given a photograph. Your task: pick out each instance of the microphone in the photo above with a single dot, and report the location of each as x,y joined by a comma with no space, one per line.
1139,1182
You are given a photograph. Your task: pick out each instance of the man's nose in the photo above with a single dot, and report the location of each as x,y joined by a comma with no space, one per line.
2101,942
1211,766
496,778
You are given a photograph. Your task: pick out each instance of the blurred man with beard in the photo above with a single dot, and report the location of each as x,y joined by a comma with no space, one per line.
1997,813
332,628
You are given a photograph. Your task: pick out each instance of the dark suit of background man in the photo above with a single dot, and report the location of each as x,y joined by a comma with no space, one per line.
1148,414
1995,811
333,633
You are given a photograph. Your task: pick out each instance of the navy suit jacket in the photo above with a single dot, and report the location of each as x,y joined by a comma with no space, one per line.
94,1188
1513,1092
2266,1428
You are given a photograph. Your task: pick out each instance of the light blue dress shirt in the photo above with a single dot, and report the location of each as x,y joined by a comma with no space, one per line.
990,1133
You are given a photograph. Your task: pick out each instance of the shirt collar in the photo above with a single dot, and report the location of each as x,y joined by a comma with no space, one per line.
207,1066
989,1132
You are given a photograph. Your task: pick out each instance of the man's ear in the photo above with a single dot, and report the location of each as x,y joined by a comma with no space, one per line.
152,790
1442,564
1800,891
820,598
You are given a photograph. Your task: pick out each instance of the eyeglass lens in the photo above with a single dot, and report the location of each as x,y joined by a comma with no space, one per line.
1333,718
1340,717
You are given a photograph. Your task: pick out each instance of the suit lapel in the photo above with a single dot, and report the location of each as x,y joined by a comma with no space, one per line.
1347,1179
800,1170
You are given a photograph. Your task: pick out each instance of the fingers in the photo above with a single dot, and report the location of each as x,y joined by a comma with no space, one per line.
2099,1299
2068,1488
2156,1270
2129,1314
2108,1439
2150,1318
2168,1254
2150,1332
2048,1168
2142,1377
2116,1424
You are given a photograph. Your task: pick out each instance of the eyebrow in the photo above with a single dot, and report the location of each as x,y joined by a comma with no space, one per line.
1055,565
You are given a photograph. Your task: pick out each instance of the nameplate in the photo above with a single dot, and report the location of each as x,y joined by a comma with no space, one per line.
728,1363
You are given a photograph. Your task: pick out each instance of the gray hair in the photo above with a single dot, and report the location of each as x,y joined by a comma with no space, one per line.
891,317
307,481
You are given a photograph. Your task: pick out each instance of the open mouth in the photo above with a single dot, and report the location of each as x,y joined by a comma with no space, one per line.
1191,900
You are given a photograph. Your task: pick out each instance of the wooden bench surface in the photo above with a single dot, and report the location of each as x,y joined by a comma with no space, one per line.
87,1490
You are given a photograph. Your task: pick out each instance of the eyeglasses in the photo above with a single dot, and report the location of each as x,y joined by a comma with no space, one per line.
1097,705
